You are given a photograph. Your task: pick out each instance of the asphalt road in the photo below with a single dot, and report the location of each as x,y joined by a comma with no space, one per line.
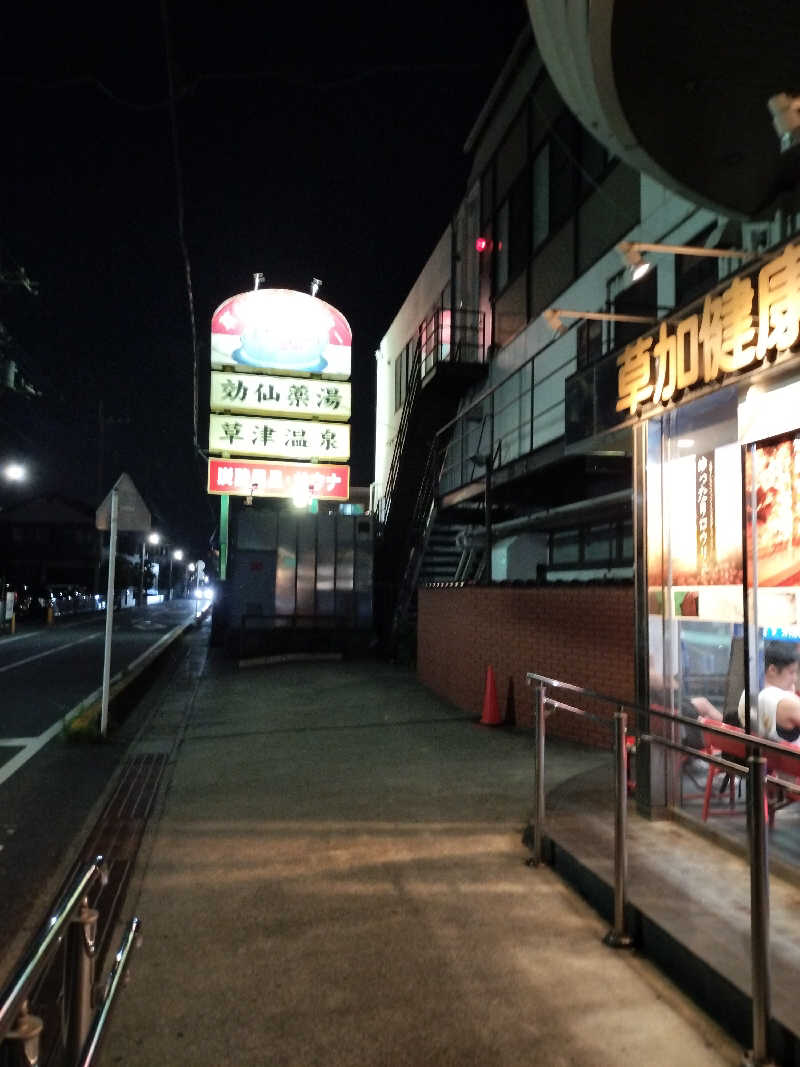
48,785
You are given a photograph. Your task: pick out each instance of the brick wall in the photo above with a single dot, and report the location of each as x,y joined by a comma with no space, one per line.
582,634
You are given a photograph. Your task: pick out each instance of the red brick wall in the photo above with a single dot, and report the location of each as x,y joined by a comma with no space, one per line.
582,634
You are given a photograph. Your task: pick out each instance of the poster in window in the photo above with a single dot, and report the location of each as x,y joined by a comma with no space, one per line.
775,507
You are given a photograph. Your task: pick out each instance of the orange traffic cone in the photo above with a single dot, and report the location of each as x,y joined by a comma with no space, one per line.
491,711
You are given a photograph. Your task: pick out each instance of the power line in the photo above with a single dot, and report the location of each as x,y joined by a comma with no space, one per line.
279,75
173,124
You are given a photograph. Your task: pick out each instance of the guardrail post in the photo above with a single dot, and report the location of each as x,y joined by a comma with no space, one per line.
23,1041
94,1037
617,937
80,972
538,796
759,909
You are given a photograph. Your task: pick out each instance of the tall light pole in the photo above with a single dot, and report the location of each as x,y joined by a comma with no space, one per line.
15,473
153,538
178,556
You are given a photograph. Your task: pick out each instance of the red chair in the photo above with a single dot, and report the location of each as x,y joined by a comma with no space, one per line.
630,749
777,796
732,749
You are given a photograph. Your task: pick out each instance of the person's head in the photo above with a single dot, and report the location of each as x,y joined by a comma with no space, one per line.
780,664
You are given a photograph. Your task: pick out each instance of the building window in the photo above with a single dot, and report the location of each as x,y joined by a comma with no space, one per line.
511,156
590,342
695,275
399,380
601,544
565,547
540,189
519,251
502,248
641,298
487,194
563,200
595,161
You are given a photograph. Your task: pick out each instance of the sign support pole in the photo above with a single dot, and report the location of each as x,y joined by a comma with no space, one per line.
112,559
224,512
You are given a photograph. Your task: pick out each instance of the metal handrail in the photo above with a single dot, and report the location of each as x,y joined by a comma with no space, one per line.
46,941
97,1030
413,387
707,726
756,773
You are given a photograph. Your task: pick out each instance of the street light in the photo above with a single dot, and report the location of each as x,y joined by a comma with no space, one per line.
14,472
177,555
153,538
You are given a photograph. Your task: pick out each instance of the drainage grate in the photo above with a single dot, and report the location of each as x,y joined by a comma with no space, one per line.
118,835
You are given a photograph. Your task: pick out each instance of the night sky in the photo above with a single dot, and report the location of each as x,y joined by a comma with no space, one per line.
312,141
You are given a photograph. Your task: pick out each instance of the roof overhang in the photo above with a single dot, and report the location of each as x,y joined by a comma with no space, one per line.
679,90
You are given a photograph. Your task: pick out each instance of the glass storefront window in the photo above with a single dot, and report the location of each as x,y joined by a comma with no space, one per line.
694,567
721,581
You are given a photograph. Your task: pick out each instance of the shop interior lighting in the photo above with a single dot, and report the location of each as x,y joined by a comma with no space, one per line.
631,252
555,316
301,498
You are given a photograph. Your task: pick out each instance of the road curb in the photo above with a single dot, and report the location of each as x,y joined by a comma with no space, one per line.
80,722
49,889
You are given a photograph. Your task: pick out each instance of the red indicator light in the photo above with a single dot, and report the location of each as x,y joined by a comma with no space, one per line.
480,244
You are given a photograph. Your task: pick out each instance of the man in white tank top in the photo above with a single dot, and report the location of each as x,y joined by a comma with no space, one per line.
778,716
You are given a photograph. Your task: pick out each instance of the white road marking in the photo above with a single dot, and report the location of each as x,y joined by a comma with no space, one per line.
8,639
15,742
35,744
49,652
30,750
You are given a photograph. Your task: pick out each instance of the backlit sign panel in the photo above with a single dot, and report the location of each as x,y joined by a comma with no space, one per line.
274,394
754,318
281,331
280,438
239,477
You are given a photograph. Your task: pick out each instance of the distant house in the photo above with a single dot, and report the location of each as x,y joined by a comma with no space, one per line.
49,539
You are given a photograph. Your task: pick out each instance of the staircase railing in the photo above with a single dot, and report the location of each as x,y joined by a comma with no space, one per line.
444,336
413,388
422,519
452,336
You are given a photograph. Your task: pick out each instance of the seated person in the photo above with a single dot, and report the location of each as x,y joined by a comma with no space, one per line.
704,708
778,716
689,707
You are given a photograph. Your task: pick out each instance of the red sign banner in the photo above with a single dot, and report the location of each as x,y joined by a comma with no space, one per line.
241,477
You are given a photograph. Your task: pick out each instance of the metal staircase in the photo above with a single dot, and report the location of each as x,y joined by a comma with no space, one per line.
442,557
448,359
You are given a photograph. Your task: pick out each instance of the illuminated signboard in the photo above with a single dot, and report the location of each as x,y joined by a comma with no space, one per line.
283,438
737,328
281,331
273,394
239,477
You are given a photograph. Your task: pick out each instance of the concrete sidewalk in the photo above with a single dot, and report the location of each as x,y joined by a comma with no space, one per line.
335,875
